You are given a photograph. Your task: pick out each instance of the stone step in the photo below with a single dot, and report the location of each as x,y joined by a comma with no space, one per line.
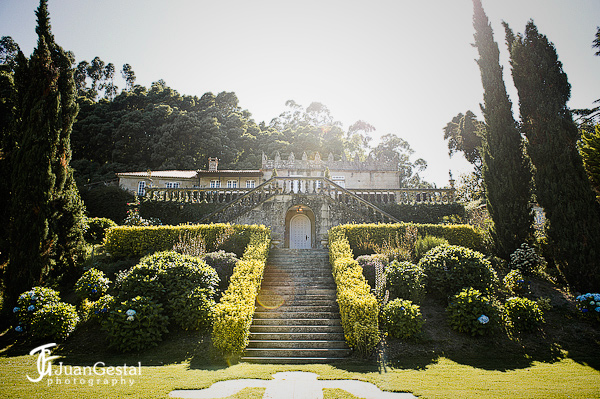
291,360
296,315
290,290
295,344
297,352
296,336
295,322
274,296
299,329
275,303
313,282
289,308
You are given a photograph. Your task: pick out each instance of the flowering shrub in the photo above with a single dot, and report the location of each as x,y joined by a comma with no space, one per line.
515,282
522,314
451,268
100,309
55,320
589,305
140,280
193,310
471,312
406,280
92,285
31,301
401,318
369,264
525,259
223,262
135,324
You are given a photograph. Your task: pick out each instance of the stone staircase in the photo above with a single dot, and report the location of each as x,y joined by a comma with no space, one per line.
297,317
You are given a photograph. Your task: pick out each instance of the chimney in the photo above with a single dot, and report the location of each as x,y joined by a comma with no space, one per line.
212,164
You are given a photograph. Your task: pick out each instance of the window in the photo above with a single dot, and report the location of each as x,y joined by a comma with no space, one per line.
172,185
215,183
250,183
141,191
232,183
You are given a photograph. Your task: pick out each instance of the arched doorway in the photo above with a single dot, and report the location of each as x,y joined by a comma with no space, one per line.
300,232
299,227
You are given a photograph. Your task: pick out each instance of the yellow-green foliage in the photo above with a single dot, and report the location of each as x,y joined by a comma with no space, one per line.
359,309
361,236
232,316
131,241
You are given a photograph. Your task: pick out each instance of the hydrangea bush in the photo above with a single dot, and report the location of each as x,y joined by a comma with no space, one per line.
101,308
55,320
193,311
92,285
522,315
31,301
135,324
401,319
525,259
516,283
589,305
471,312
406,280
450,268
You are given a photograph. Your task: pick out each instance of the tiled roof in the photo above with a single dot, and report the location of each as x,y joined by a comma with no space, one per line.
175,174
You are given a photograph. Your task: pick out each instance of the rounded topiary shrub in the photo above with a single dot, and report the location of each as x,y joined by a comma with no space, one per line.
427,243
406,280
450,268
471,312
223,262
184,273
401,319
30,302
516,283
55,320
92,285
370,265
96,229
525,259
135,324
140,280
193,311
522,315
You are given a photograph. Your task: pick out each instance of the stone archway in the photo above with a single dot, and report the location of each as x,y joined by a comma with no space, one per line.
299,228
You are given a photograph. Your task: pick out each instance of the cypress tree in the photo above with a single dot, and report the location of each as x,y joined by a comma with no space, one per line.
46,211
561,184
505,168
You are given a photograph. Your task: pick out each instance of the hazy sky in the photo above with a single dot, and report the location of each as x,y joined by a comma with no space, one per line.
406,67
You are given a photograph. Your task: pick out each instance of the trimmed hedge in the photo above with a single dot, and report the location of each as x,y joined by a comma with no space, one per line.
362,237
136,241
359,309
232,316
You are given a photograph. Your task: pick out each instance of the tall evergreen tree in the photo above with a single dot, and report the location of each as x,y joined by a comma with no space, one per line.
46,211
506,169
561,183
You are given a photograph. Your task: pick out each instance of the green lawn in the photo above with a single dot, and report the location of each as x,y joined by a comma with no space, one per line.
442,378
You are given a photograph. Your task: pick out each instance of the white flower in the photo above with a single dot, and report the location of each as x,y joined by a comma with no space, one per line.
130,318
131,312
483,319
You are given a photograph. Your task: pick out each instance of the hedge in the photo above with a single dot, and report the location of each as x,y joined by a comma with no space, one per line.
361,236
425,212
359,309
174,213
136,241
232,316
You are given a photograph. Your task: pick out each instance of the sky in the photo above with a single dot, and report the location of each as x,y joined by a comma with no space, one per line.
405,67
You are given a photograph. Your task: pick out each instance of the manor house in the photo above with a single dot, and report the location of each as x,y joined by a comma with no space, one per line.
299,198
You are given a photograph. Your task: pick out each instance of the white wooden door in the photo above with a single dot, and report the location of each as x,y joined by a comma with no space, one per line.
300,232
